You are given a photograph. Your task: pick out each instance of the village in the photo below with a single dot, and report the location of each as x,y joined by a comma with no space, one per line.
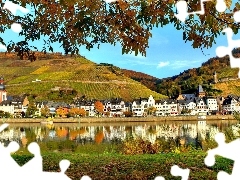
185,104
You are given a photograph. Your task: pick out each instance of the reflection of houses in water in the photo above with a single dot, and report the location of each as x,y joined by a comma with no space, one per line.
10,135
38,132
113,132
201,129
167,131
85,134
212,131
151,133
236,130
139,131
189,131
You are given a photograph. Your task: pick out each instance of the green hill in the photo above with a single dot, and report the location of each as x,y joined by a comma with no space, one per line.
66,78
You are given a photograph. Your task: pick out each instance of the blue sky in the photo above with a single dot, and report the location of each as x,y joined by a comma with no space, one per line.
167,54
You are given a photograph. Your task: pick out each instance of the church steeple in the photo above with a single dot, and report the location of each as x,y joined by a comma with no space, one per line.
215,77
200,91
3,93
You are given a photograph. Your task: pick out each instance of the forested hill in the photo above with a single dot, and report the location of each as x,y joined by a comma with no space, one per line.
188,81
147,80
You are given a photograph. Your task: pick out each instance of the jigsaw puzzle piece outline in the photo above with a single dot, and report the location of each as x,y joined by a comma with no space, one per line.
5,154
227,150
13,8
222,51
182,9
177,171
35,164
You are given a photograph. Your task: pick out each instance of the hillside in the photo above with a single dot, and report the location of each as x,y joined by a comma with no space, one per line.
63,78
147,80
188,81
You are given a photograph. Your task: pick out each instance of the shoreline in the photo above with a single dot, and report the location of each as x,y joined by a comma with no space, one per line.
118,119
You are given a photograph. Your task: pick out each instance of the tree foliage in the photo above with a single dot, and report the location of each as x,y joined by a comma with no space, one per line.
31,109
74,112
4,114
147,80
99,137
45,111
151,110
88,23
98,107
62,112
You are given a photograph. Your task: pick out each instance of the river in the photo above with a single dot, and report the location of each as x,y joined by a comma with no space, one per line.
108,132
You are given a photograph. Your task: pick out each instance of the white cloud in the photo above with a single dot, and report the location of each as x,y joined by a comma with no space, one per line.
184,64
163,64
3,47
144,62
178,64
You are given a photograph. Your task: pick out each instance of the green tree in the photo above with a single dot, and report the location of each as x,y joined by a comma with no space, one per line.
87,23
185,111
45,111
4,114
31,109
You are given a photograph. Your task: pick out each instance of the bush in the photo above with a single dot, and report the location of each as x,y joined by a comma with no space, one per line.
128,114
161,145
4,114
139,146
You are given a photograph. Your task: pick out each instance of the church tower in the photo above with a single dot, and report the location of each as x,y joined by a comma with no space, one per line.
200,91
215,78
3,92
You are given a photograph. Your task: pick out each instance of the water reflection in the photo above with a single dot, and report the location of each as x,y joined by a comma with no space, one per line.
98,133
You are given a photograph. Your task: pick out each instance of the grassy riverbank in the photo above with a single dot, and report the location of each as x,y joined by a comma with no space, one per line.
108,161
128,119
116,166
130,159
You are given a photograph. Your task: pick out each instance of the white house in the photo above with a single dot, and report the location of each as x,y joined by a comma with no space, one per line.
191,105
212,104
7,107
173,105
89,108
231,104
137,108
151,101
115,107
201,106
163,108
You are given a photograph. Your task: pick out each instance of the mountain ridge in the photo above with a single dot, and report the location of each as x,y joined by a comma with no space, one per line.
80,76
73,72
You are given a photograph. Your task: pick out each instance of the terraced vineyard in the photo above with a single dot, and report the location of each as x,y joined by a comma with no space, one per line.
228,72
81,75
229,87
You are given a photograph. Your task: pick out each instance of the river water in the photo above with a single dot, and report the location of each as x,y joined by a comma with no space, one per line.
109,132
